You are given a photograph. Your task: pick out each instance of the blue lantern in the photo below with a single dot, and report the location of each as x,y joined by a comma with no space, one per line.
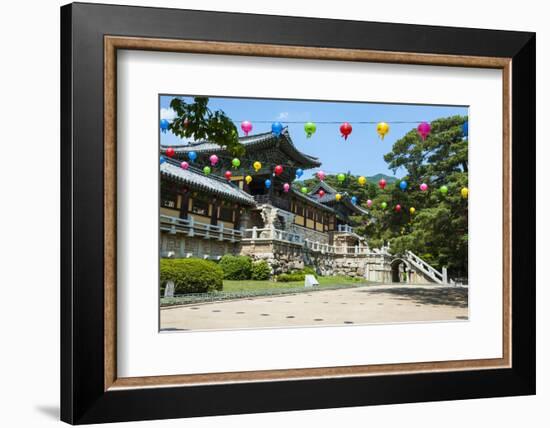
162,159
403,185
267,183
354,200
299,172
277,128
465,128
164,125
192,156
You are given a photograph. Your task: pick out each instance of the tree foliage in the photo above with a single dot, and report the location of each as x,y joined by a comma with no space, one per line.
195,120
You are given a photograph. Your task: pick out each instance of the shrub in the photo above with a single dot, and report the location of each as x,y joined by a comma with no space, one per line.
236,267
298,275
260,270
191,275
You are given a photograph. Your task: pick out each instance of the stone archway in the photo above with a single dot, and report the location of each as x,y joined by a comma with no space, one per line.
400,270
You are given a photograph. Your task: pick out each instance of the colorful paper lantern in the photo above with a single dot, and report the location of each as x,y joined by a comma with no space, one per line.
248,179
304,190
465,129
236,163
338,196
278,170
354,200
246,126
310,129
423,187
369,203
345,129
267,183
257,166
384,205
424,129
321,175
299,172
398,208
341,177
382,184
382,128
443,190
170,152
184,165
162,159
412,210
362,181
464,192
192,156
321,193
403,185
276,128
207,170
164,124
286,187
228,175
213,160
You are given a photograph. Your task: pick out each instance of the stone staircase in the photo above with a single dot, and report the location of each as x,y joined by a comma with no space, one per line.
426,269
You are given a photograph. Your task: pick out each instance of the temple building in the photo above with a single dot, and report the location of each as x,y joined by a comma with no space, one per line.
207,216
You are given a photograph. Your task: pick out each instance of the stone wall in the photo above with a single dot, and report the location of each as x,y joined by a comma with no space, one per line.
179,245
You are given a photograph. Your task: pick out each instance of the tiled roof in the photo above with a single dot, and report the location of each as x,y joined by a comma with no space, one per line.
253,142
313,201
196,179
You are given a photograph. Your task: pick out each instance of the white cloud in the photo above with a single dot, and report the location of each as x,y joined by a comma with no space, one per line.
167,113
283,115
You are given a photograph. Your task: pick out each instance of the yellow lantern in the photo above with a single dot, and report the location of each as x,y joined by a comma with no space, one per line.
248,179
338,196
362,180
382,128
412,210
257,166
464,192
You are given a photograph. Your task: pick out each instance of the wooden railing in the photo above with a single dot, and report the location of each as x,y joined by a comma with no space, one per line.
190,227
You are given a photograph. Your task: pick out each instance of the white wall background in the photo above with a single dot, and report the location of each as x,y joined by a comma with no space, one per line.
29,214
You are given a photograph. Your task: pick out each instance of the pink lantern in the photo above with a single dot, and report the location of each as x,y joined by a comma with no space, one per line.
423,187
321,175
184,165
424,129
286,187
213,160
369,203
246,126
321,193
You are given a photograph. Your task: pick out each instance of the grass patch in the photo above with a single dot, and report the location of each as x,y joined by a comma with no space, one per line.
324,281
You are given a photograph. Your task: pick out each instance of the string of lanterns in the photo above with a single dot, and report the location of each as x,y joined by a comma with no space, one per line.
382,128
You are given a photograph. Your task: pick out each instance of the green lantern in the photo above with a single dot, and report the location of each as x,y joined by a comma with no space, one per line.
207,170
341,177
384,205
310,129
304,190
443,190
236,163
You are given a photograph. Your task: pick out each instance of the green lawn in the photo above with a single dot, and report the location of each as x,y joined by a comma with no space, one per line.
324,281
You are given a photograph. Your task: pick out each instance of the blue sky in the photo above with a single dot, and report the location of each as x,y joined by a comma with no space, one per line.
362,153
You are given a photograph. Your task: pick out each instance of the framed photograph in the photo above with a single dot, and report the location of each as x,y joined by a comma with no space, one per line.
266,213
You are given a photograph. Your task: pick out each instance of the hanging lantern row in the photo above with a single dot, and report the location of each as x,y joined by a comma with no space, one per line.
382,128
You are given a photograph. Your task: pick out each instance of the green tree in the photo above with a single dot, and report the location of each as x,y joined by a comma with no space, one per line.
195,120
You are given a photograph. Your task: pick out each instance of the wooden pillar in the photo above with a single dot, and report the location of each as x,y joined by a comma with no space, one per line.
184,209
214,215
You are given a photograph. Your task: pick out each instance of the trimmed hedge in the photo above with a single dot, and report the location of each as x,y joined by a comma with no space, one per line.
236,267
260,270
299,275
191,275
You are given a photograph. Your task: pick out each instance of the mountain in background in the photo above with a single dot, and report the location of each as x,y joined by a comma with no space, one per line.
377,177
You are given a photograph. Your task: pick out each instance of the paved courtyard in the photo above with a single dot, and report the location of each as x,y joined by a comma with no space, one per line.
362,305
